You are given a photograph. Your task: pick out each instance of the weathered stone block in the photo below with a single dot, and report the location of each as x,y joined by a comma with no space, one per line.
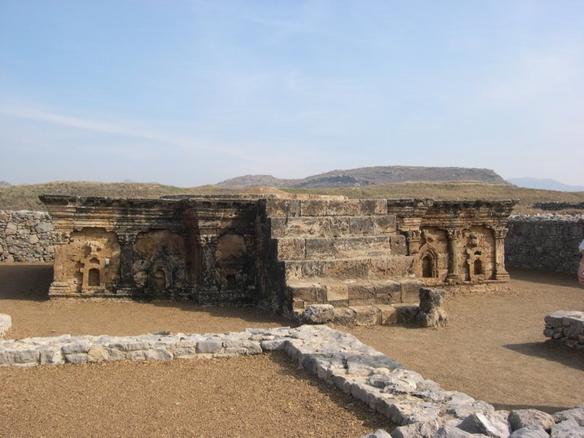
318,314
291,248
410,290
531,419
282,207
5,323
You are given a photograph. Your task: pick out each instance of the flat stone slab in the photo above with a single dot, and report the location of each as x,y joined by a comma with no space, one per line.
417,406
5,323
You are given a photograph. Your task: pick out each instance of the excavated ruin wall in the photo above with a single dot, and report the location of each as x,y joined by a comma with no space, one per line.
26,236
544,243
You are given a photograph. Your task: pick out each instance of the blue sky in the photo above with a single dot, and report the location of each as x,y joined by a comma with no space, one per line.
190,92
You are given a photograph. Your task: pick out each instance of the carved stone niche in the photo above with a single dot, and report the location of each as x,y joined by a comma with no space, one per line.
479,255
159,267
88,265
232,262
432,256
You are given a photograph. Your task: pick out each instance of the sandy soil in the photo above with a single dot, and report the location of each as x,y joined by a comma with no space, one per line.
493,348
260,396
23,295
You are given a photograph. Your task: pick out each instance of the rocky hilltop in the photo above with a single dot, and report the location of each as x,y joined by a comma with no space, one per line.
366,176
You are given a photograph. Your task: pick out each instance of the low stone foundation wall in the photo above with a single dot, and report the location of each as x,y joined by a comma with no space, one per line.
26,236
544,243
566,326
417,406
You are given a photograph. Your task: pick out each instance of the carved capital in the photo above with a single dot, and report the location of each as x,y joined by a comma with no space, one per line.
413,235
500,232
454,233
128,238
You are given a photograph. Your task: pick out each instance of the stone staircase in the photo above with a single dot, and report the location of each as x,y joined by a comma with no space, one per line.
348,254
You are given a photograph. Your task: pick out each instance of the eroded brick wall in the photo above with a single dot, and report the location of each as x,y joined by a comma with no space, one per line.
544,243
26,236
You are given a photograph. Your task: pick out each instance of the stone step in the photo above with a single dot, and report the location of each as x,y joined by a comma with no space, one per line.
376,267
352,292
333,226
299,248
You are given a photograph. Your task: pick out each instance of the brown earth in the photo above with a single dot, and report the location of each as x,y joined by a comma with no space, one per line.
23,295
260,396
492,349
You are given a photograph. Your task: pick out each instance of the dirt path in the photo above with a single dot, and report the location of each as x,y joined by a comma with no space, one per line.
241,397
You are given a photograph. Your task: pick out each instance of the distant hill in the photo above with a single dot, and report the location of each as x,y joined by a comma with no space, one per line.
366,176
545,184
5,184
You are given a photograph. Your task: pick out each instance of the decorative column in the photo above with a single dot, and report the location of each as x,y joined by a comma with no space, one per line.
209,275
60,285
126,285
500,273
453,235
412,241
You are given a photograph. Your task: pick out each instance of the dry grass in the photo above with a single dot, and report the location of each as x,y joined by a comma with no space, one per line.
526,197
26,196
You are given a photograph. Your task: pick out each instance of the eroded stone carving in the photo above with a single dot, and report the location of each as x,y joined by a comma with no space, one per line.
283,253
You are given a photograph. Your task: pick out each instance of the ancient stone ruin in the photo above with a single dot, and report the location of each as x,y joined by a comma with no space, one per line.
418,407
567,327
284,254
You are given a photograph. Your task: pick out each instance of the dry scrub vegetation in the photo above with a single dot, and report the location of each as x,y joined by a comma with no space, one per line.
26,196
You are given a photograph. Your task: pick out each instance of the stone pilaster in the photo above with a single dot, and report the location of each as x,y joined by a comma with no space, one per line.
454,235
500,273
413,241
60,286
126,284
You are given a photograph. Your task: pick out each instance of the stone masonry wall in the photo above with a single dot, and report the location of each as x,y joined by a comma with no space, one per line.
26,236
544,243
566,326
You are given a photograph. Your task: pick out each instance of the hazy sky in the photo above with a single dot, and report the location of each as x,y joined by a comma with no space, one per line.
192,92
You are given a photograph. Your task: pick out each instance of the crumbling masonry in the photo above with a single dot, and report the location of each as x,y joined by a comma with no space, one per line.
279,253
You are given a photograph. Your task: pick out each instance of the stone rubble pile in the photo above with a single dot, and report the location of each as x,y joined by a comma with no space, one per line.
566,326
26,236
5,324
429,313
417,406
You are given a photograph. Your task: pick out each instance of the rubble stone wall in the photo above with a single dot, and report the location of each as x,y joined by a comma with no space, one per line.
26,236
566,326
544,243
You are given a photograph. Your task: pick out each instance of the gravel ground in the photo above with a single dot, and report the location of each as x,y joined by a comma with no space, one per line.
260,396
23,295
493,348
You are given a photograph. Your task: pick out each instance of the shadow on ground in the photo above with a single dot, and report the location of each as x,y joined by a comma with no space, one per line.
550,350
548,409
25,282
551,278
